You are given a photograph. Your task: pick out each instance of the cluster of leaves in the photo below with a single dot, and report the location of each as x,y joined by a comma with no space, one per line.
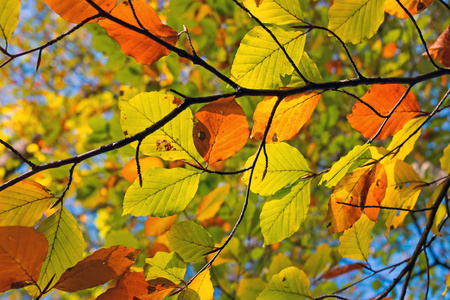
237,191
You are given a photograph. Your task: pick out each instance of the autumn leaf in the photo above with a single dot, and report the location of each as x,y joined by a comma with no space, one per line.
142,48
275,12
9,17
98,268
76,11
159,288
440,50
291,114
130,286
129,171
22,251
445,159
166,265
383,99
220,130
155,226
413,6
291,283
338,271
355,242
211,203
200,288
360,188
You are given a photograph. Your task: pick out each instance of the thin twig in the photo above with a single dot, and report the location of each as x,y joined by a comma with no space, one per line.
363,102
135,15
69,182
188,37
138,166
18,154
386,207
445,4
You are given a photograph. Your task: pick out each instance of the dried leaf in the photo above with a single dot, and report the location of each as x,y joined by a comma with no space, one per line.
130,286
440,50
220,130
142,48
76,11
383,98
98,268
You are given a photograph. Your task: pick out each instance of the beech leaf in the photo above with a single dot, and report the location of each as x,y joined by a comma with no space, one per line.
9,17
130,286
279,12
155,226
166,265
129,171
201,288
291,283
440,50
76,11
413,6
355,242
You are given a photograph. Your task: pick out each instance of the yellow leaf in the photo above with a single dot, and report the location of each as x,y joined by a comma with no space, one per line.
355,242
445,159
413,6
211,203
401,136
201,286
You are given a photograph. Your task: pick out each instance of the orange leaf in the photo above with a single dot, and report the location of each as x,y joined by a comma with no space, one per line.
362,187
98,268
156,226
76,11
129,171
338,271
211,203
22,251
383,98
130,286
220,130
389,50
291,114
440,50
159,288
143,49
413,6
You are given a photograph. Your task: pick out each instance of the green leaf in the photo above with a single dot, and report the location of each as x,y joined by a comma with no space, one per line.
278,12
405,133
171,142
190,240
355,241
121,237
291,283
260,62
249,288
279,262
9,17
309,69
283,214
285,166
356,20
166,265
164,192
24,203
354,159
445,160
319,261
65,245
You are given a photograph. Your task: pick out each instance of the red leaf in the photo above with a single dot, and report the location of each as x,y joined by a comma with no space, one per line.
440,50
338,271
130,286
76,11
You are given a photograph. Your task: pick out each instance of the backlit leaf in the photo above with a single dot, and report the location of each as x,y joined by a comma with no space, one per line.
291,114
76,11
440,50
383,98
143,49
249,288
291,283
201,286
354,159
259,61
413,6
338,271
159,288
171,142
130,286
279,262
190,240
356,20
319,261
445,160
362,187
309,69
355,242
285,166
220,130
166,265
98,268
129,171
401,136
210,204
284,212
9,17
24,203
278,12
22,251
164,192
156,226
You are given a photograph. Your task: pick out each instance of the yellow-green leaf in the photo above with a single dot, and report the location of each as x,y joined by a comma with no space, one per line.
9,17
279,262
285,166
291,283
283,214
356,20
260,63
24,203
401,136
166,265
171,142
249,288
190,240
309,69
164,192
355,242
445,159
211,203
319,261
201,288
278,12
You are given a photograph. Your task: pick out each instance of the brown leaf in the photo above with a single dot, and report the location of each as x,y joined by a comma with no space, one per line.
291,115
338,271
413,6
360,188
98,268
76,11
130,286
22,252
220,130
383,98
159,288
143,49
440,50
